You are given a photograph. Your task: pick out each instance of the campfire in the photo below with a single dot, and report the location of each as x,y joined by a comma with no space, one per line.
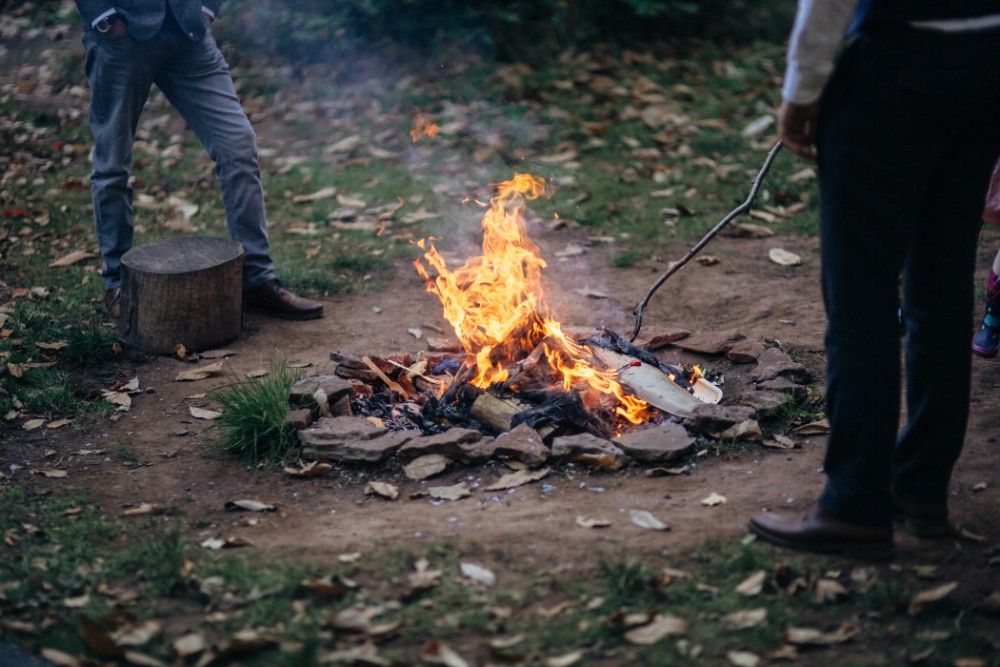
512,362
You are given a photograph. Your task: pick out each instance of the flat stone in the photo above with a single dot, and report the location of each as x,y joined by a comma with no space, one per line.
299,419
766,403
342,408
477,452
783,385
774,363
710,342
745,351
661,443
334,387
375,450
713,419
426,466
339,430
588,449
523,444
448,443
436,344
661,337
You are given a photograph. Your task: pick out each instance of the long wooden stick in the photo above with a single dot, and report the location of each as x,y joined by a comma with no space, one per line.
675,267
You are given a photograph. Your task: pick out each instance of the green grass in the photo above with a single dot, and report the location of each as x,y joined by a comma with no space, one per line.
252,426
68,551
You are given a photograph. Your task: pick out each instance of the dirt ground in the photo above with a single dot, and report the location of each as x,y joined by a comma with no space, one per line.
534,524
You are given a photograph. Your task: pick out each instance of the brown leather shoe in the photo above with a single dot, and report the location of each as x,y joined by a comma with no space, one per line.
272,299
818,531
113,304
925,520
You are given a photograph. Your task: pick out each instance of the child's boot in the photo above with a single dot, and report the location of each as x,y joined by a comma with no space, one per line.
986,342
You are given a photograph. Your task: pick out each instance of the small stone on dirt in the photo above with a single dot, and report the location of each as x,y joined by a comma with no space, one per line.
774,363
661,337
358,451
745,351
448,443
299,419
588,449
334,387
661,443
426,466
713,419
524,444
710,342
337,430
766,403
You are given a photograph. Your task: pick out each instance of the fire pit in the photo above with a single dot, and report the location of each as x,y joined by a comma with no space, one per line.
514,382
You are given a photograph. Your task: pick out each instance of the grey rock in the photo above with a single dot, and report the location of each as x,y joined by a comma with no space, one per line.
334,387
299,419
477,452
588,449
766,403
375,450
661,337
774,363
342,408
661,443
710,342
713,419
448,443
337,430
523,444
745,351
784,385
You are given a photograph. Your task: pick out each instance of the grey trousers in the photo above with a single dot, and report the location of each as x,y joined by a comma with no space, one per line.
195,78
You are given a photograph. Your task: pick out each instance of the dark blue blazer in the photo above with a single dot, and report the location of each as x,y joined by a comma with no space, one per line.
145,17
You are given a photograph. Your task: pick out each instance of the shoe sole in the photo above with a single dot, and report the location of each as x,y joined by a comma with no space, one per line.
983,352
873,552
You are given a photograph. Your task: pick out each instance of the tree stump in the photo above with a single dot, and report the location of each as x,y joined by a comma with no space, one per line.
184,291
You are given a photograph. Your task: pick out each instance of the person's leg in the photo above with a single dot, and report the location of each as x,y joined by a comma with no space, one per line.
119,71
986,340
198,83
938,287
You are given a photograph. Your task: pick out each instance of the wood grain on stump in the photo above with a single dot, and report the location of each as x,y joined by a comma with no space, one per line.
182,291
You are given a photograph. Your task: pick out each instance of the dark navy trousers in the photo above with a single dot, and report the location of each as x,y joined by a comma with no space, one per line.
909,130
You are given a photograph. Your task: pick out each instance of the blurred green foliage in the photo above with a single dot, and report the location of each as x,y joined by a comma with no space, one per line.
520,30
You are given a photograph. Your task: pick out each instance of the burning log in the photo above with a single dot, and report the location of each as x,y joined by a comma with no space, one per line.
497,412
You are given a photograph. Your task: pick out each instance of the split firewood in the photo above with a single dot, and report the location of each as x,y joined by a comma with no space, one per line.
495,411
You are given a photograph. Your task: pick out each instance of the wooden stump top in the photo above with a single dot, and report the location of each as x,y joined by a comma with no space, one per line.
182,255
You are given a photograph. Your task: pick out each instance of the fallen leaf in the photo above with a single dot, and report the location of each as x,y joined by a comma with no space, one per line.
439,653
32,424
327,585
644,519
52,347
426,466
662,626
743,658
59,659
713,499
753,584
422,578
590,522
778,441
745,618
78,602
119,398
144,508
829,590
248,642
352,557
189,645
72,258
311,469
248,506
324,193
59,423
565,660
199,373
383,489
453,492
929,598
518,478
138,634
814,428
784,257
478,573
815,637
52,474
416,333
201,413
708,260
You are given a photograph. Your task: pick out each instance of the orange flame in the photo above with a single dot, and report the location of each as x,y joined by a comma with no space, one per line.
494,302
423,128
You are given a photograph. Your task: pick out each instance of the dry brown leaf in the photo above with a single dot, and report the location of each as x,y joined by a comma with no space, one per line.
439,653
138,634
52,347
713,499
783,257
201,413
929,598
52,474
743,659
59,659
518,478
820,427
477,573
59,423
311,469
189,645
829,590
644,519
745,618
199,372
662,626
815,637
453,492
383,489
753,584
248,642
778,441
565,660
32,424
144,508
71,258
591,522
426,466
422,578
324,193
78,602
248,505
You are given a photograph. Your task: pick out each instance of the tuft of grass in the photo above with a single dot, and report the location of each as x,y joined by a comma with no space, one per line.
252,425
89,345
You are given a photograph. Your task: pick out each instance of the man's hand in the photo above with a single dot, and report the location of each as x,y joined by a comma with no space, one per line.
797,128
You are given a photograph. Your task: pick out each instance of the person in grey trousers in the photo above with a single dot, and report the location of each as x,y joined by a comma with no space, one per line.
131,45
